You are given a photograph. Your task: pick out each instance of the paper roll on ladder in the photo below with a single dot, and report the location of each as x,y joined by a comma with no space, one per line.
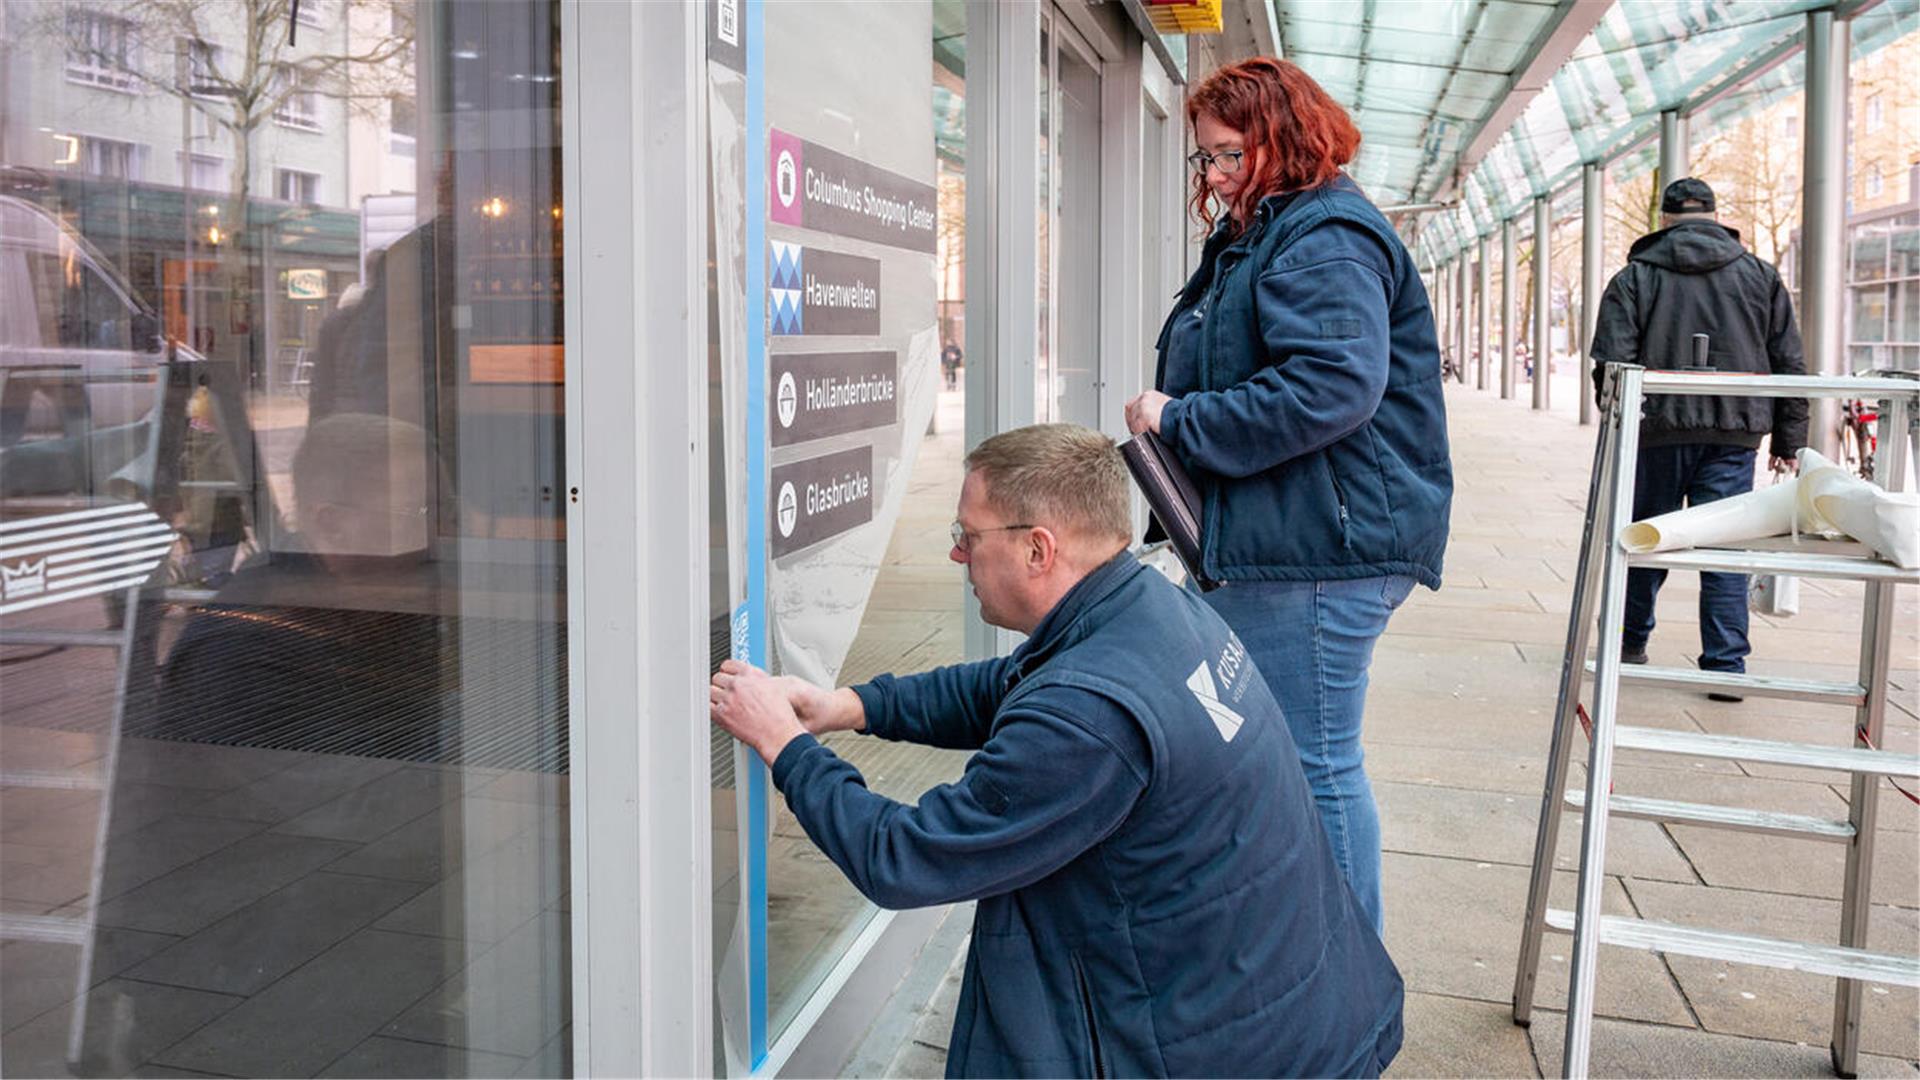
1768,512
1831,498
1823,499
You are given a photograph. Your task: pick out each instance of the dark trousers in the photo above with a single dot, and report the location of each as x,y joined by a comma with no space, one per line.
1668,477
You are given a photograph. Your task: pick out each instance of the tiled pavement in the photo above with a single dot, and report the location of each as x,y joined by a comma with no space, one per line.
1458,718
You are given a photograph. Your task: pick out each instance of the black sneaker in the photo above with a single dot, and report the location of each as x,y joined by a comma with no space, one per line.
1631,655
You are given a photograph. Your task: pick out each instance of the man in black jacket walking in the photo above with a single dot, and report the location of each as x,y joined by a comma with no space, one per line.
1693,277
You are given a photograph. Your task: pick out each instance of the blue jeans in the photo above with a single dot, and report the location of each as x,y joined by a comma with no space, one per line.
1693,473
1313,642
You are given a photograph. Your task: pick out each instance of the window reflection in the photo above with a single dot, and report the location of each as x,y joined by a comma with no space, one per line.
282,628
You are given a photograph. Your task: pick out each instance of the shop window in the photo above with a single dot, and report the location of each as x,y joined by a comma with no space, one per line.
402,123
299,105
295,186
113,159
334,765
101,50
203,68
202,172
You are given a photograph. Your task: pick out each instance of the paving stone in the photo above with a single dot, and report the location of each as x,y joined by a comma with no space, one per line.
41,975
316,779
1501,828
1775,1004
252,948
200,894
377,807
1624,1048
490,897
510,1000
140,856
127,1022
432,846
306,1021
1743,860
384,1057
216,768
1456,1037
1456,767
1453,928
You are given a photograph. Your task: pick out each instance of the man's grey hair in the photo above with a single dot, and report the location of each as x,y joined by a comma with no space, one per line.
1063,476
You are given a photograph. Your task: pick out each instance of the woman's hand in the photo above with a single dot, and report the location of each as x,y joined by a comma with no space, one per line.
1143,412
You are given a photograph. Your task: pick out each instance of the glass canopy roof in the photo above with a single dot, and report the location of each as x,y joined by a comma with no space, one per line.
1422,78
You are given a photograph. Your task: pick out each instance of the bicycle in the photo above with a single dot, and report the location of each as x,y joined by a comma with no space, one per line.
1859,436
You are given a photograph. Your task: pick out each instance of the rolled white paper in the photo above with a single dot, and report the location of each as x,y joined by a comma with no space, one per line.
1887,522
1767,512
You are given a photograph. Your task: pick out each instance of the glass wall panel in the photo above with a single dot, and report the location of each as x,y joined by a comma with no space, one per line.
862,361
1076,351
282,635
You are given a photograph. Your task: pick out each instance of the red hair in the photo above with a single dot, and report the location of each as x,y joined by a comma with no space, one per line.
1296,135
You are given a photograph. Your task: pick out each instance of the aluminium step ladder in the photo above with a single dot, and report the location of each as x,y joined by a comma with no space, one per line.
1603,576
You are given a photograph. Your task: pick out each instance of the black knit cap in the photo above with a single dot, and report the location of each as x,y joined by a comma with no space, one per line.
1687,196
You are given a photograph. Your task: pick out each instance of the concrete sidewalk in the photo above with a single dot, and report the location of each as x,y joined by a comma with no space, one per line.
1458,726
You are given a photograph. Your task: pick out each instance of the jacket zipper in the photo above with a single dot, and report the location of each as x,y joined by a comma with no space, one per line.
1086,1013
1340,501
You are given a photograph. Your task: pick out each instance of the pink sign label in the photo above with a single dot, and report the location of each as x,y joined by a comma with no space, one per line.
784,173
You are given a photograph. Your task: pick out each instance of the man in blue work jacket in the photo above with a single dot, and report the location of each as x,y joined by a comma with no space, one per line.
1156,895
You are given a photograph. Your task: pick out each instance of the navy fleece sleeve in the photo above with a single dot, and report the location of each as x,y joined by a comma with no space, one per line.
1323,319
1041,792
950,707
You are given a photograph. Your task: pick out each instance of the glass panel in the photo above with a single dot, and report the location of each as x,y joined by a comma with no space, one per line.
1043,352
295,798
1076,379
870,121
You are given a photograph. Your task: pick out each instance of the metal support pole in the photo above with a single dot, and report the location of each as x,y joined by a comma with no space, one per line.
1440,275
1823,216
1542,303
1592,215
1484,342
1673,147
1509,312
1462,312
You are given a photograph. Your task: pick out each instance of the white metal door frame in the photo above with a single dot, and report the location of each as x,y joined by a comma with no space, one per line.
635,198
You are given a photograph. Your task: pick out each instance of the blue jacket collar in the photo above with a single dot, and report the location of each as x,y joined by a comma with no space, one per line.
1273,206
1056,626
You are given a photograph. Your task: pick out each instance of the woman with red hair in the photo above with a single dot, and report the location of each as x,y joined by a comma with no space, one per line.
1299,382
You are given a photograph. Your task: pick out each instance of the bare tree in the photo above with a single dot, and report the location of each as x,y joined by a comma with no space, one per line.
277,63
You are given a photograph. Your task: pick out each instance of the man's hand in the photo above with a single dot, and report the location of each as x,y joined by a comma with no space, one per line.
1789,466
752,707
1143,412
763,711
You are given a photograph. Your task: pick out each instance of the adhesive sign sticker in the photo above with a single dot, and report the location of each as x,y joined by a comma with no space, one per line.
816,188
815,292
821,497
820,394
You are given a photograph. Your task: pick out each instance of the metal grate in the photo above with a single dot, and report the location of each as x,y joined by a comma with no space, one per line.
440,689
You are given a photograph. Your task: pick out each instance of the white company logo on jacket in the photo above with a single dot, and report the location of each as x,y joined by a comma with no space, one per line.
1234,673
